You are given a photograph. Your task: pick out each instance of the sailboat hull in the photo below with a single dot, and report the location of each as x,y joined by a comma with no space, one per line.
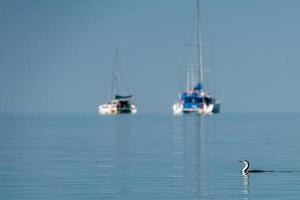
204,107
117,107
217,108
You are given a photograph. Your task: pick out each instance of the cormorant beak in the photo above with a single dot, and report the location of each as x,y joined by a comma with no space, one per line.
241,161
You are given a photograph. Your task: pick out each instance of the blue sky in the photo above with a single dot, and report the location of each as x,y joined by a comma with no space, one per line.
57,56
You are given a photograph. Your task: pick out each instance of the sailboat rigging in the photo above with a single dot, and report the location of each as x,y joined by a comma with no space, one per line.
117,103
195,99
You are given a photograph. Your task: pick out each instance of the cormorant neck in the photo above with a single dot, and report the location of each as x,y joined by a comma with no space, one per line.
245,169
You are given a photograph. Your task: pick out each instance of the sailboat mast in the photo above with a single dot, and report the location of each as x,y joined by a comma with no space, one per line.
199,45
188,79
114,74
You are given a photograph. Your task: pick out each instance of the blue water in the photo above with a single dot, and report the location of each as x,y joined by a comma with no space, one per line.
154,156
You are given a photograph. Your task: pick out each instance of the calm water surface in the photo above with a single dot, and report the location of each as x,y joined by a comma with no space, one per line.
155,156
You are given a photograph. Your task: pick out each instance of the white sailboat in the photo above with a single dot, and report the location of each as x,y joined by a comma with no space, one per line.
118,103
195,98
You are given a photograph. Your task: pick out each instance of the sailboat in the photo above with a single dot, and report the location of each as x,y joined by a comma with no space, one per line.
118,103
195,99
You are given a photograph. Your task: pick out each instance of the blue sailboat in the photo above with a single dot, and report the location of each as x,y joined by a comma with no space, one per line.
196,99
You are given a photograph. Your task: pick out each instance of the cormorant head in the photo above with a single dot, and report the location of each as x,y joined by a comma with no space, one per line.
244,161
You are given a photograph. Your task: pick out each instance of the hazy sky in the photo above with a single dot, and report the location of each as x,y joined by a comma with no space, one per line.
57,56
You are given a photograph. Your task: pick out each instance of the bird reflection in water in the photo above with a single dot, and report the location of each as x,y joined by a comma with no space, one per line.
246,186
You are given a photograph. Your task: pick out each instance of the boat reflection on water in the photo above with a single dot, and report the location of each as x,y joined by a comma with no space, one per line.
159,157
123,131
193,153
115,160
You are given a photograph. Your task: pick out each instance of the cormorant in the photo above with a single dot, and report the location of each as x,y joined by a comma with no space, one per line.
246,170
